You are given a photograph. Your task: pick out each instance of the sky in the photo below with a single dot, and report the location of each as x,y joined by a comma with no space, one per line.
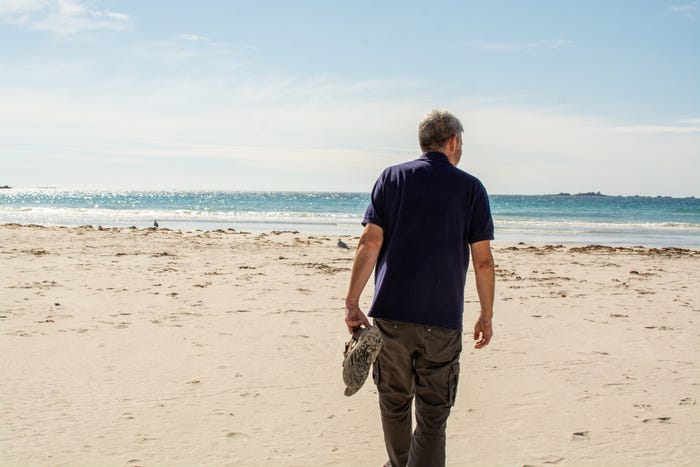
302,95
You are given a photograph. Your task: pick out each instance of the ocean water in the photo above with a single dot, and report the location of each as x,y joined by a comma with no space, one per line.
647,221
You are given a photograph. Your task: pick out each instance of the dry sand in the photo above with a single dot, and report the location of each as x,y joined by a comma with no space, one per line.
150,347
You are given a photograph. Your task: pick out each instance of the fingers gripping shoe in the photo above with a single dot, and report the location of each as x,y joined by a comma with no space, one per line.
360,353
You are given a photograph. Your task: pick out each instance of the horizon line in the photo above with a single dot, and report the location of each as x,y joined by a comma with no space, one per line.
6,188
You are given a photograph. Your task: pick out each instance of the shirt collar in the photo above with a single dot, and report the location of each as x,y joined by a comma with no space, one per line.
434,156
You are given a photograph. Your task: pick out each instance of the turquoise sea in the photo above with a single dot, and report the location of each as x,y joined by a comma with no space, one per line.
580,219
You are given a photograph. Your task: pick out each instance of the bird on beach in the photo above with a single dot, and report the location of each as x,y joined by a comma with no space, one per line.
155,224
342,245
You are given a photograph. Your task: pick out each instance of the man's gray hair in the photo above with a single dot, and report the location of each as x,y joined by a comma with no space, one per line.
436,128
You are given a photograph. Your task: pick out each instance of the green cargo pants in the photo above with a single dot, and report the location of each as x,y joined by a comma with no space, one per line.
420,362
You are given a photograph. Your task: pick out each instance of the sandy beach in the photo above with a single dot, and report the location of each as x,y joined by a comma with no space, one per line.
145,347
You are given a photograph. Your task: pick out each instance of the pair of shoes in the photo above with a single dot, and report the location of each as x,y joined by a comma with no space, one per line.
360,353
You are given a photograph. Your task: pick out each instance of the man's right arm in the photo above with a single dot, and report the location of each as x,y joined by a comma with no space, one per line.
365,260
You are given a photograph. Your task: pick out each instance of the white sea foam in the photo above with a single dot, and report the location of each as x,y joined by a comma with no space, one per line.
582,226
182,218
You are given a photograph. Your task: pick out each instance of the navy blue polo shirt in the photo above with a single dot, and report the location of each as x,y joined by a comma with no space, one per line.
430,212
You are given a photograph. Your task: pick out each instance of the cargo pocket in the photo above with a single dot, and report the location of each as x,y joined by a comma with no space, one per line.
375,372
453,382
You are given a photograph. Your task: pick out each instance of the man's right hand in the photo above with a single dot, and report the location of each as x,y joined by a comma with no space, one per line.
355,318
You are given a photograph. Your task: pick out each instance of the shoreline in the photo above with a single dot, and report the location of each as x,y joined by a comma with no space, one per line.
152,346
611,246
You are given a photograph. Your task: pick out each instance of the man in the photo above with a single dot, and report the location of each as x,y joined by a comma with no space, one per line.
423,219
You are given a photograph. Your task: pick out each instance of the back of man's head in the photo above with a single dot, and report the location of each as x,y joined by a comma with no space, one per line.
436,128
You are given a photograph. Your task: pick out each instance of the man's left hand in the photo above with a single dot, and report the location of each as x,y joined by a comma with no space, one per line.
483,331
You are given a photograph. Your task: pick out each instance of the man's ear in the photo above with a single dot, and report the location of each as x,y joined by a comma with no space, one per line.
451,144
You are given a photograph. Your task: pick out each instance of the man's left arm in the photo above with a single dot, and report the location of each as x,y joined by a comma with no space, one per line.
484,271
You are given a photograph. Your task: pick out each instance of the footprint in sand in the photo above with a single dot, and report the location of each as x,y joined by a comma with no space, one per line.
552,460
687,401
659,419
548,460
144,438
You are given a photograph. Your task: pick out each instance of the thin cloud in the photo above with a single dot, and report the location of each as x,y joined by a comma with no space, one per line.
684,8
117,16
191,37
689,10
519,46
189,48
657,129
62,17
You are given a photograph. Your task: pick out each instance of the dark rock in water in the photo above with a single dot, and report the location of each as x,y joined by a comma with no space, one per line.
591,193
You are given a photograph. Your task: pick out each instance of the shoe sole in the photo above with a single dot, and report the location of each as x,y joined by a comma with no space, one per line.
360,359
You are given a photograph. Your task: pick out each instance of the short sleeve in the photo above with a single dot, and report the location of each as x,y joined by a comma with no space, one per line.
481,222
376,210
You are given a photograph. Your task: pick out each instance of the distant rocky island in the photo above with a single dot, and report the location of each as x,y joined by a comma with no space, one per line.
589,193
5,187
